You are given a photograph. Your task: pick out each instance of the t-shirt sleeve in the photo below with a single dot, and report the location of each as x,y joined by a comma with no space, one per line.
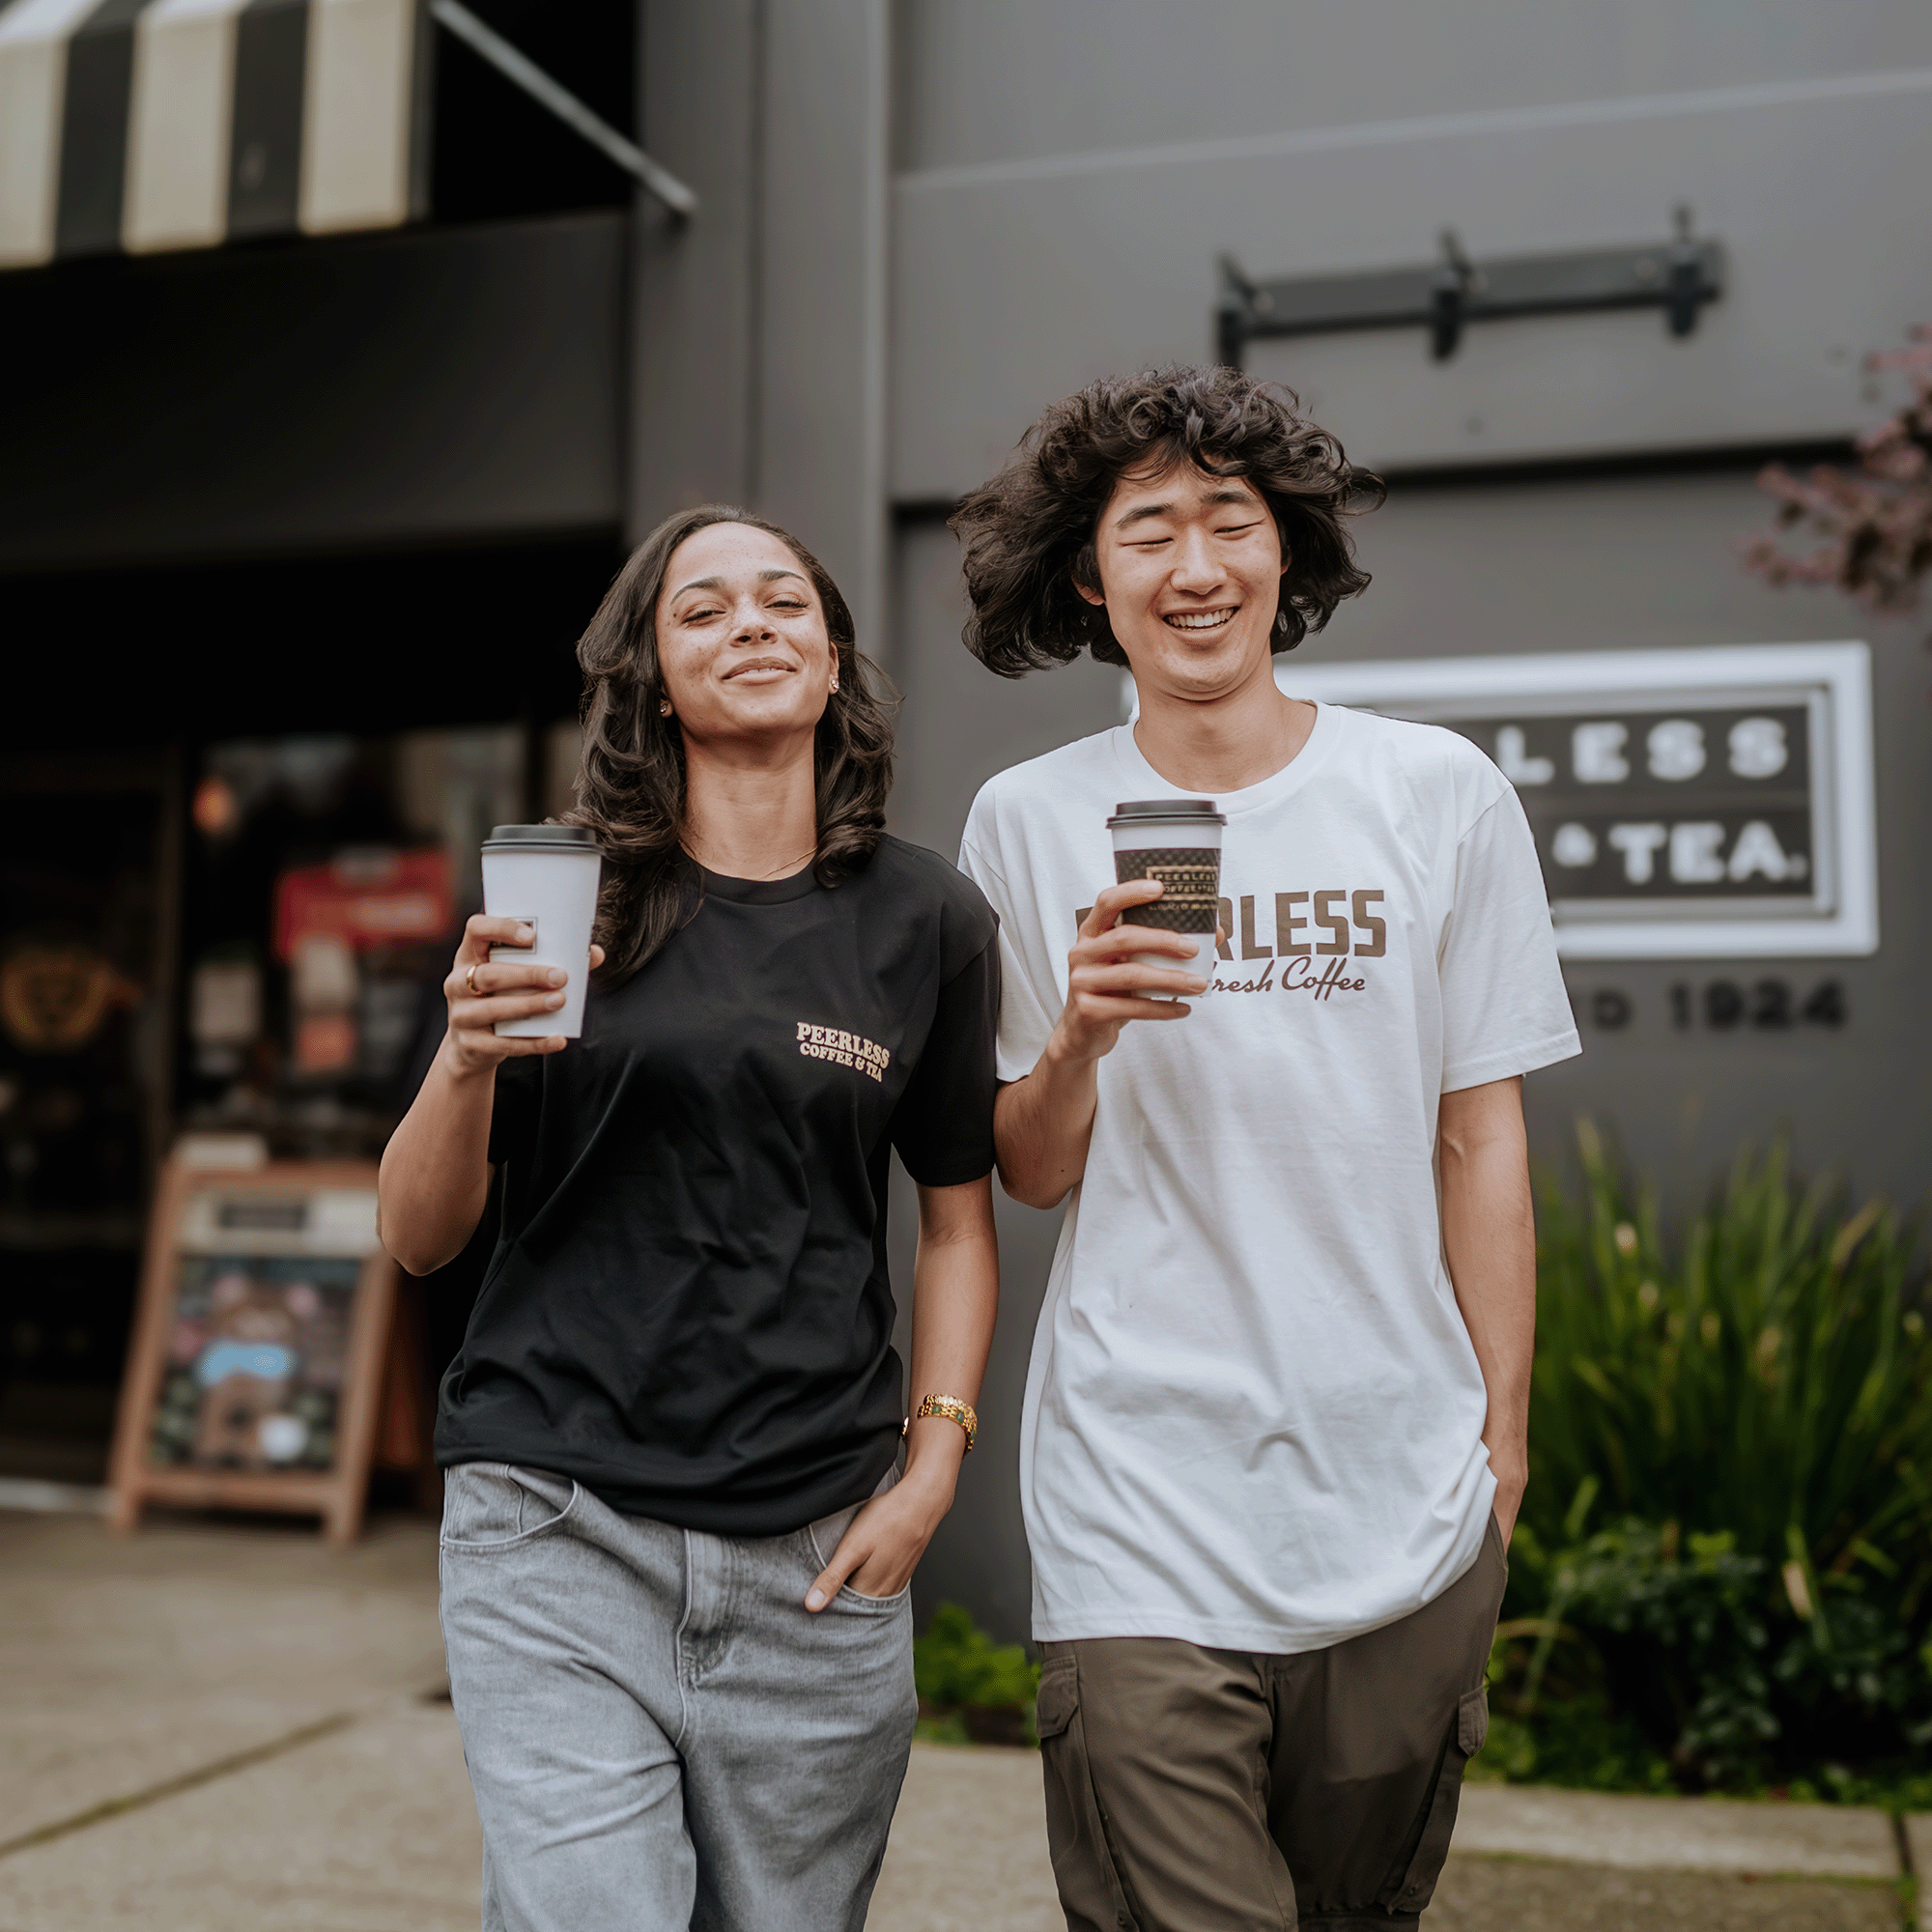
1504,1007
513,1114
1026,966
943,1126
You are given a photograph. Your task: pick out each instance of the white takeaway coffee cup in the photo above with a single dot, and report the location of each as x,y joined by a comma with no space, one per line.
545,875
1177,840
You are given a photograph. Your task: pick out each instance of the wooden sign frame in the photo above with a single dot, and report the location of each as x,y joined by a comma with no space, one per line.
336,1494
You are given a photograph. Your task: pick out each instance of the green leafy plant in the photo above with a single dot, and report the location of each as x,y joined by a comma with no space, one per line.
971,1688
1672,1642
1770,1380
1728,1539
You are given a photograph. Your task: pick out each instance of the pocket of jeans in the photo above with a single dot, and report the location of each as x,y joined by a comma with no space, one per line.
1424,1865
859,1601
823,1537
492,1506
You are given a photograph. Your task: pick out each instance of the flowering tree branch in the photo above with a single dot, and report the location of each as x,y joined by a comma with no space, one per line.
1872,526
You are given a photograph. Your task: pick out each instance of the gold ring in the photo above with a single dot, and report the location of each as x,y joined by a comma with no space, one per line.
469,980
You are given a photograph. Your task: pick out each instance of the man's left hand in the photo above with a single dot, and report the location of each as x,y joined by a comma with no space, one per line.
1511,1469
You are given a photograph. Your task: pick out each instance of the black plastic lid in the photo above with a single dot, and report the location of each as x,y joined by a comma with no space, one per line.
557,838
1201,810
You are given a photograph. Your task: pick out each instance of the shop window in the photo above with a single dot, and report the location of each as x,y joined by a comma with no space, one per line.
328,881
83,998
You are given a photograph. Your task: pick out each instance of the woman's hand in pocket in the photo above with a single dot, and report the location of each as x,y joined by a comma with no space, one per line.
883,1543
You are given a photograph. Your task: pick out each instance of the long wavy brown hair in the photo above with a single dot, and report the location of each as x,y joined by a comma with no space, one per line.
1028,534
631,783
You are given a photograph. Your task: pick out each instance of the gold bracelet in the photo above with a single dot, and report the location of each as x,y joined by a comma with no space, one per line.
953,1410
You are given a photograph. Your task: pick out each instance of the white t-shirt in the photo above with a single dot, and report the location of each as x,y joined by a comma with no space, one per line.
1254,1416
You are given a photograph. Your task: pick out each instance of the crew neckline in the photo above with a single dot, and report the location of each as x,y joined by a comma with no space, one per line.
1272,790
758,892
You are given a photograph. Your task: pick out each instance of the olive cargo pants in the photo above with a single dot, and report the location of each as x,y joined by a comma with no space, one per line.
1195,1790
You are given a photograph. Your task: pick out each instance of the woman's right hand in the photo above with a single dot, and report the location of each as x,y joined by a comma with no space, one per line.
503,989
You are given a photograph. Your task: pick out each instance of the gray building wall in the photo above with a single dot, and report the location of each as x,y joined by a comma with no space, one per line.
923,222
1016,279
1066,176
1584,564
1003,80
759,350
1588,563
1618,563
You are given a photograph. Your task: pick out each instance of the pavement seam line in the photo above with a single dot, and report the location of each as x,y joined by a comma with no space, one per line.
187,1781
1752,1875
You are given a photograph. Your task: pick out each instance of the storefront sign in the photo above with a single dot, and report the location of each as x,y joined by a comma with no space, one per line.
54,997
365,898
1687,804
256,1368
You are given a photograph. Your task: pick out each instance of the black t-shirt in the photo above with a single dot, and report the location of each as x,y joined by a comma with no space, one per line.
688,1309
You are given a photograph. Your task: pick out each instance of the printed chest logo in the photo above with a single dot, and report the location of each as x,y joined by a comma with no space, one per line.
845,1049
1311,946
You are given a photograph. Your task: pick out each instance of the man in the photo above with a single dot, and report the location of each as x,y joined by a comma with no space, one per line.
1274,1435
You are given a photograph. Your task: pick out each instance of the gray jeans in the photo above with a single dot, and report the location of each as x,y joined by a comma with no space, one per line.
661,1737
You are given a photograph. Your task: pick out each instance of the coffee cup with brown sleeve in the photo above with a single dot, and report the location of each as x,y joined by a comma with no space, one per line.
1178,841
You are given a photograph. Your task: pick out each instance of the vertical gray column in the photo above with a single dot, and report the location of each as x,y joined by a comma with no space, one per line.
760,341
694,409
823,378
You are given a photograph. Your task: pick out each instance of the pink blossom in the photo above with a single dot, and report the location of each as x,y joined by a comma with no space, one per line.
1873,526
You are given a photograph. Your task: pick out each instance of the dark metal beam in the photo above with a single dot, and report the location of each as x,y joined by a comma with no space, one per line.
1677,277
517,66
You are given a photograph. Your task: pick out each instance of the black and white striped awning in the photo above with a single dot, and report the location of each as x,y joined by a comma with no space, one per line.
148,125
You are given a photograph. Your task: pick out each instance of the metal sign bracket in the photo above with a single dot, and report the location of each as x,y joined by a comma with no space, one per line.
1677,277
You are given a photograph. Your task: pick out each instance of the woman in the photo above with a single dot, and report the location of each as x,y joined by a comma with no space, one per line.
676,1565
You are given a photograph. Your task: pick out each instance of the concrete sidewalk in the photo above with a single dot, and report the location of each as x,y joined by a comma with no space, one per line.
226,1727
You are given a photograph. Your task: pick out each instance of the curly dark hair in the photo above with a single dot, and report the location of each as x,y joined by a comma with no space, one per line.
1029,533
630,786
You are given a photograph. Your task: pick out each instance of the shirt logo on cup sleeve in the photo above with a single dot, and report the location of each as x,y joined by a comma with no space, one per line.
843,1049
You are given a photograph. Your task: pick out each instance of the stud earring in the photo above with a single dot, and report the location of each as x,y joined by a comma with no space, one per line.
835,683
664,707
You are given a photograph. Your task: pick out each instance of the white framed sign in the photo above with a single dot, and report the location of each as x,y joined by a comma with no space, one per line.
1703,804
